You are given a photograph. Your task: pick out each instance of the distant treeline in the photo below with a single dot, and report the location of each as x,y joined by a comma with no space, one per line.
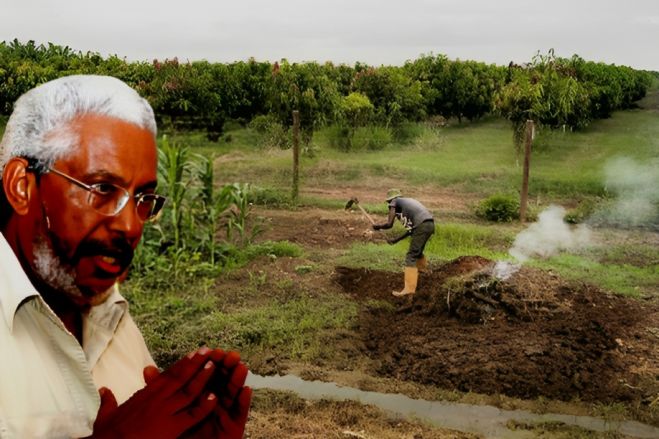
555,92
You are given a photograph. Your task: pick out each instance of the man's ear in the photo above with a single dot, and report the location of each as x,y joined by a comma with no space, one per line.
19,184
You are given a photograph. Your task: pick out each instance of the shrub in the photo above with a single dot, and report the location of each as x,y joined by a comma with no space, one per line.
499,208
407,132
270,132
340,137
269,197
372,138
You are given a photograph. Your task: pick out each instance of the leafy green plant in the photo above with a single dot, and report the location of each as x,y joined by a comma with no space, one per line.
212,205
269,197
499,208
174,171
237,196
303,269
271,133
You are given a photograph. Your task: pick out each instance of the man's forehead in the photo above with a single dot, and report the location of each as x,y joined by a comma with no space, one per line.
99,140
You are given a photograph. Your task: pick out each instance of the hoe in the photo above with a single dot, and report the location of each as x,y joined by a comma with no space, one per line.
355,201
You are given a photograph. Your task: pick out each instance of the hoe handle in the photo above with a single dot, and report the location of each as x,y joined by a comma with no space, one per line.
366,214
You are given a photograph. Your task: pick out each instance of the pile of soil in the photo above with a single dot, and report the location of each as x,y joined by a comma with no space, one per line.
530,335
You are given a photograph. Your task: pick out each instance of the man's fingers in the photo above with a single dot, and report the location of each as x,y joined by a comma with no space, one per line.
229,378
237,380
108,405
196,386
232,422
217,355
174,378
150,373
242,405
199,411
231,359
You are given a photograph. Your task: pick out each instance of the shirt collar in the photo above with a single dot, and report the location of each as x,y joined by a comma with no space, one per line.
15,287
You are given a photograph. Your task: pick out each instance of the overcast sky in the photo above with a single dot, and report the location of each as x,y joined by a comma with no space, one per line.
375,32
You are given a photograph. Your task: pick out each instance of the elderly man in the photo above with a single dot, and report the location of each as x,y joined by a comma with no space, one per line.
78,164
420,225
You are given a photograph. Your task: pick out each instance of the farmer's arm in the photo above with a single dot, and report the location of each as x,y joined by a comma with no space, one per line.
400,238
390,220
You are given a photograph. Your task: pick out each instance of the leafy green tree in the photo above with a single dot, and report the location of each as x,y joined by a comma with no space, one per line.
356,111
610,87
183,96
245,89
307,89
544,92
433,74
395,96
472,86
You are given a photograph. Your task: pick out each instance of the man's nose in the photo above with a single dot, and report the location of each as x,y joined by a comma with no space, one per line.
128,223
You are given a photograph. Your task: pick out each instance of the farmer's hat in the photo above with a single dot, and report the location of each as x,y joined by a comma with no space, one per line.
393,193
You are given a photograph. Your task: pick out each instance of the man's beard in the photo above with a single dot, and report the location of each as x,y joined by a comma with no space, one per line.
58,272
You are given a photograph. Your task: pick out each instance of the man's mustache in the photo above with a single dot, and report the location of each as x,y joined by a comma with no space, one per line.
118,248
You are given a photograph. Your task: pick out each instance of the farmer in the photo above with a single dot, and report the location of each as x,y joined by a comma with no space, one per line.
419,224
78,167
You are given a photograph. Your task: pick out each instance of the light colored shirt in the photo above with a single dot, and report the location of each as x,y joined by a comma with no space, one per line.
48,382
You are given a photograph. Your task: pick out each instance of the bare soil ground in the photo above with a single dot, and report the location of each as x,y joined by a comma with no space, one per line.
533,335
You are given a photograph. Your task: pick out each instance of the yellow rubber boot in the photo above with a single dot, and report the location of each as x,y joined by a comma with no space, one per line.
422,264
411,278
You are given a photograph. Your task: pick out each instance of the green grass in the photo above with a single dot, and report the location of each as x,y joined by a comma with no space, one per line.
478,157
623,279
169,317
293,327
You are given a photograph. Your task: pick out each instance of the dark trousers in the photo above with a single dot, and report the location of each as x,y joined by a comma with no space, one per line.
420,235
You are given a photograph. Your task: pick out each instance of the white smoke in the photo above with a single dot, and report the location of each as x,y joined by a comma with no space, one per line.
544,238
636,186
637,204
549,236
504,269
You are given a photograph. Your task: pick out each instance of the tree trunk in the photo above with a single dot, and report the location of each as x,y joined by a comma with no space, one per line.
296,155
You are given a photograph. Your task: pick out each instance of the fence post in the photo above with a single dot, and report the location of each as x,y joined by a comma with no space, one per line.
528,138
296,155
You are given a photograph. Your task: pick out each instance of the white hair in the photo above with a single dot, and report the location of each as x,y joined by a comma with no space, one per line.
37,127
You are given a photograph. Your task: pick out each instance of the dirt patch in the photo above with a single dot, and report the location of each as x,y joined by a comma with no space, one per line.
528,336
317,227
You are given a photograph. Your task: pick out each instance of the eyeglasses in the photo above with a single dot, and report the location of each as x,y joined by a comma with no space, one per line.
108,199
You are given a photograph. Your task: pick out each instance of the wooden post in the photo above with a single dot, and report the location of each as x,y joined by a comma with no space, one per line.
296,155
528,138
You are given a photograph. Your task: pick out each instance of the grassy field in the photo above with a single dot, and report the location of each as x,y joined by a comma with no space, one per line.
474,161
476,157
255,311
252,305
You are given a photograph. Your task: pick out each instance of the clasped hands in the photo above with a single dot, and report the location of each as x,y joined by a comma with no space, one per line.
203,395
